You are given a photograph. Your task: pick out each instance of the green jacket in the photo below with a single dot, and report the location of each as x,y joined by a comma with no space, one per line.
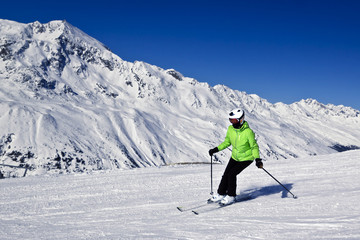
244,145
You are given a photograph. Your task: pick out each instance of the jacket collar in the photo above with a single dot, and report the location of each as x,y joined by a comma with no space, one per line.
244,126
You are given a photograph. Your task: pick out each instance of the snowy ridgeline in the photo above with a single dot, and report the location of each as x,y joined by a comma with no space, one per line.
69,104
141,203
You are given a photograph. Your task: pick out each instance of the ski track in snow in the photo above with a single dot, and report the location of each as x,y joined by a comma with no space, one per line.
141,203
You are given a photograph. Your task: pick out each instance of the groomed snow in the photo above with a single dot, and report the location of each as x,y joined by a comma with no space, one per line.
141,203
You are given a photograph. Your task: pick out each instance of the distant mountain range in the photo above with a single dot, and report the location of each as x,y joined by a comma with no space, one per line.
68,104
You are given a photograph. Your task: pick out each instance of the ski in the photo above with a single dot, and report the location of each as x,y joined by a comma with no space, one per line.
219,205
195,212
186,209
180,209
194,209
201,209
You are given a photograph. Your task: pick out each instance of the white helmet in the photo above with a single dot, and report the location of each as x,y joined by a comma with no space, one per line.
236,116
237,113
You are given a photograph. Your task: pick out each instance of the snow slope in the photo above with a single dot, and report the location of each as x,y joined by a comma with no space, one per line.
141,203
69,104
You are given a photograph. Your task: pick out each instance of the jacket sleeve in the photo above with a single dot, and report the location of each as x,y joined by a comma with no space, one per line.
226,143
253,145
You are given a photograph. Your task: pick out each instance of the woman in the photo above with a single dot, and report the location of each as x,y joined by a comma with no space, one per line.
244,150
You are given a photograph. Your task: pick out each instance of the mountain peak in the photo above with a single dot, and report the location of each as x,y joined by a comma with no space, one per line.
70,105
175,74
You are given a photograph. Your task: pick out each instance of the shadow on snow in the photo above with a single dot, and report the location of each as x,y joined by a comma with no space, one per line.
264,191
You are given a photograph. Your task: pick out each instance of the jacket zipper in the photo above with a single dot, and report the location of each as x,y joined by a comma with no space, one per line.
237,137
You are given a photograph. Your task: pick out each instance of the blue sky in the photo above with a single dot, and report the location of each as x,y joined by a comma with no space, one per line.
281,50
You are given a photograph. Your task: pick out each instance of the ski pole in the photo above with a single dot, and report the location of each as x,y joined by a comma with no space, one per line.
295,197
211,176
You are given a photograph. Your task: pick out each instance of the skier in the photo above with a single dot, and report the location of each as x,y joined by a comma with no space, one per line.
244,150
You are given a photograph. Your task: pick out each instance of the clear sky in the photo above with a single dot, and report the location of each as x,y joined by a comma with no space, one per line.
281,50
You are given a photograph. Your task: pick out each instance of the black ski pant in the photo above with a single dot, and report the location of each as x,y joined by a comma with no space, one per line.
228,181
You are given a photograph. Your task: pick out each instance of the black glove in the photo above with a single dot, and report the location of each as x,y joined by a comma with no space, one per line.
212,151
259,163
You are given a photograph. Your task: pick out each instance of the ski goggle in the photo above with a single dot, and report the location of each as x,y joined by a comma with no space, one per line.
233,120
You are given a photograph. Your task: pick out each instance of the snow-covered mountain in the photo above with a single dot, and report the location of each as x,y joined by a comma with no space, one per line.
68,104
